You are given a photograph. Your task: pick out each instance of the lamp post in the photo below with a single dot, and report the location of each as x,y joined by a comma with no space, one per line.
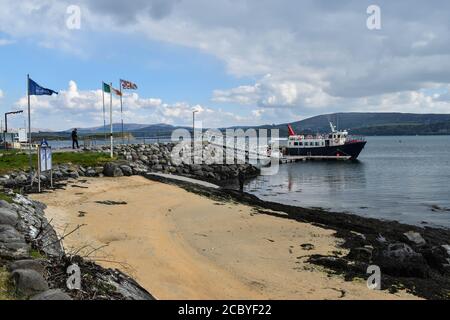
193,135
6,124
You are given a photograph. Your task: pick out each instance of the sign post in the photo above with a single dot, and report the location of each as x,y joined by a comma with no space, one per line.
23,135
44,162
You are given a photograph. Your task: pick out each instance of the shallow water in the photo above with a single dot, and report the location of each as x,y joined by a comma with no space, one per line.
396,178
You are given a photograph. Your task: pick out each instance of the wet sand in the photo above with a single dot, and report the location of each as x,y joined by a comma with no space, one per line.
179,245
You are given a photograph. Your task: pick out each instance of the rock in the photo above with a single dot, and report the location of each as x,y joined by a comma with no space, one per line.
401,260
195,167
415,238
400,251
198,173
57,175
91,173
8,217
53,294
438,257
127,171
98,170
307,246
446,248
35,265
118,172
108,169
73,174
112,170
329,262
12,243
4,204
126,286
28,282
363,254
21,179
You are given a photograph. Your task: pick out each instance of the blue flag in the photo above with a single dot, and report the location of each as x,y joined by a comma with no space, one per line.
37,90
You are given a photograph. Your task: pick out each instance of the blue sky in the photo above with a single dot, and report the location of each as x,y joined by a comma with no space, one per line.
236,62
170,72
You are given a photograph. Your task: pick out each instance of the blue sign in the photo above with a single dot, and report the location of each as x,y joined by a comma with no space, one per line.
44,143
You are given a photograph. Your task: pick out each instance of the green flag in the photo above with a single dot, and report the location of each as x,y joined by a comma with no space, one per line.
106,88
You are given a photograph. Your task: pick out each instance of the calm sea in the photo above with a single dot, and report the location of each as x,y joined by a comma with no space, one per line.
396,178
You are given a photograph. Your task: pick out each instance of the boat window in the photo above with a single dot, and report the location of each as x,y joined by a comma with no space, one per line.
301,143
317,144
296,143
330,136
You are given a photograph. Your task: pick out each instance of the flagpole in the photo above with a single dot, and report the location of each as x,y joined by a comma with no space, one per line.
104,112
121,110
29,130
110,120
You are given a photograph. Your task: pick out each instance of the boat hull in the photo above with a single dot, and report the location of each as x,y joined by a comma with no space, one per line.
352,149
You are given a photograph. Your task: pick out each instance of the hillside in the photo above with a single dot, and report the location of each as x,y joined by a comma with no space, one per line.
373,124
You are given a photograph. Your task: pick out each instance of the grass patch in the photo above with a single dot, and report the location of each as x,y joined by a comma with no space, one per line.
6,290
5,197
35,254
13,160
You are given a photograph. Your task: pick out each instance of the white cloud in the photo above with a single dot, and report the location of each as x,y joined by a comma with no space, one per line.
84,108
1,93
273,92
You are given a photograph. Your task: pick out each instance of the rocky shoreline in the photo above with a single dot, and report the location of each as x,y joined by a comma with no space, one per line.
135,160
411,258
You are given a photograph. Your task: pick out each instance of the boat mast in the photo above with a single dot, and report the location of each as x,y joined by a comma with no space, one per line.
333,128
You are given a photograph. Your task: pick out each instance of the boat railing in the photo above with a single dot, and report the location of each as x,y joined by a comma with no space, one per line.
354,138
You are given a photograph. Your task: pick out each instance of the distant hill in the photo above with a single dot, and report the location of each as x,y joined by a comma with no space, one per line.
116,127
372,124
155,130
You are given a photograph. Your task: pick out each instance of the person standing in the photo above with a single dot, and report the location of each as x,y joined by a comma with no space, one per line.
241,178
75,138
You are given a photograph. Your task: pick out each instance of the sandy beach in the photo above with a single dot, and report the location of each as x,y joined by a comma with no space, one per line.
179,245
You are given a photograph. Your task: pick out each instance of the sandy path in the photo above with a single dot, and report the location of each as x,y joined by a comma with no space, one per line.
179,245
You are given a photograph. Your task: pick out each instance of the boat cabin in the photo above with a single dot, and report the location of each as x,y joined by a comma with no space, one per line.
335,138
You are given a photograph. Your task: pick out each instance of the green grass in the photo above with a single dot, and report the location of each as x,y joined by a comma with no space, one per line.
6,292
36,254
13,160
5,197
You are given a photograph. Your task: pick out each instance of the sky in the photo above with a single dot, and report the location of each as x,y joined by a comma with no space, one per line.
237,62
